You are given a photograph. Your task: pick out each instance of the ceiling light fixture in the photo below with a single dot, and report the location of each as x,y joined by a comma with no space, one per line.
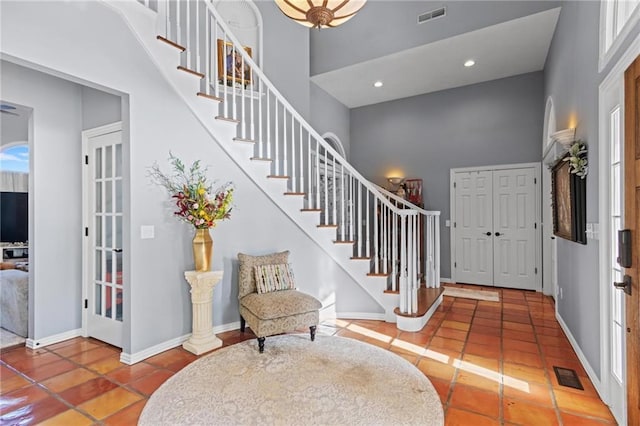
320,13
469,63
378,84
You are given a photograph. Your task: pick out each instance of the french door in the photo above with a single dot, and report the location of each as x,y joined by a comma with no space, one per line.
495,227
103,289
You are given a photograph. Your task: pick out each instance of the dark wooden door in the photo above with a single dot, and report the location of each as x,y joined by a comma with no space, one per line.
632,222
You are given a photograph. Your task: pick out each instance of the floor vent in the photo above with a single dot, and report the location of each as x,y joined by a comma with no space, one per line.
428,16
567,377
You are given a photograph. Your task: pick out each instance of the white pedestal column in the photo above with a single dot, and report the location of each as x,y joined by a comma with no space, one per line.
202,338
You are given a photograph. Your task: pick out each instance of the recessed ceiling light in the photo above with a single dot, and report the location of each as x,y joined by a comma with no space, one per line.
378,84
469,63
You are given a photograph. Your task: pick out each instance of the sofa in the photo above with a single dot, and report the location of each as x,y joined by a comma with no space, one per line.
14,301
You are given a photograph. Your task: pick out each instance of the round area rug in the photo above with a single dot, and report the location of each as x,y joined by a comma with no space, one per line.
332,381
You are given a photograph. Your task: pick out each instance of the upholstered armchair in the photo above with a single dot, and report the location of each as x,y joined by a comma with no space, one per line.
268,311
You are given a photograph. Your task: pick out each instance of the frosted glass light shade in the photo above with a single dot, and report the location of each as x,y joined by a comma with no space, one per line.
565,137
320,13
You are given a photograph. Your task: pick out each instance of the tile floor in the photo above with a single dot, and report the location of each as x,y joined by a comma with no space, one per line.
491,363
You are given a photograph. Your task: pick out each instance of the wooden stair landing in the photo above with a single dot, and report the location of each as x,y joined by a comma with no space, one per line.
426,298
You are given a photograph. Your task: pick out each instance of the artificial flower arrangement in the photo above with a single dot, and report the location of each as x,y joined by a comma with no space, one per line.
198,204
577,158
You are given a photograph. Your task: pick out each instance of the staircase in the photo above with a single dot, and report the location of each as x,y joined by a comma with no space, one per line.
374,235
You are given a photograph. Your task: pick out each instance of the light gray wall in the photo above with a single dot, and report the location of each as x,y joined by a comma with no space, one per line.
329,115
55,210
497,122
286,56
384,27
572,80
157,299
99,108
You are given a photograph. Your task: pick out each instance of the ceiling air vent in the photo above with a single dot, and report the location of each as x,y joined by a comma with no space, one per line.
428,16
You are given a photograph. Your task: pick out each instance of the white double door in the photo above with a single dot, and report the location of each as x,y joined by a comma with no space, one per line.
495,227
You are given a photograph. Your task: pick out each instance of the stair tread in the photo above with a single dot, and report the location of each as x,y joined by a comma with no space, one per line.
295,193
190,71
171,43
278,177
373,274
311,210
232,120
244,140
391,292
213,98
360,258
426,298
260,159
327,226
344,242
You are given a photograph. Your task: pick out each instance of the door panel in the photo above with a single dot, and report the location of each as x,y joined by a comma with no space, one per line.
473,220
632,222
514,228
105,211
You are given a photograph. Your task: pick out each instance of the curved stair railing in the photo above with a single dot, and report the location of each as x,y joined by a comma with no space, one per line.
382,229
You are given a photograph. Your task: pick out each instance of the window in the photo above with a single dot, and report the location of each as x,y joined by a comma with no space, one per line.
15,158
616,20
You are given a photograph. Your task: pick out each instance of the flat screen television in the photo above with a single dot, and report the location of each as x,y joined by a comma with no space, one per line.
14,217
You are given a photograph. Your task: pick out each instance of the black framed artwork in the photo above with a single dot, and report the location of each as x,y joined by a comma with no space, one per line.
569,202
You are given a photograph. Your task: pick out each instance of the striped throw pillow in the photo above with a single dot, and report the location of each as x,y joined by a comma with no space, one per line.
274,278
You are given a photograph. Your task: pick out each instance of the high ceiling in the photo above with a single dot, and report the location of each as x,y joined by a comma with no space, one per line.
502,50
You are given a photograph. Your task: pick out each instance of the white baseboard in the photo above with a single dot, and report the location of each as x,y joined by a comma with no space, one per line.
134,358
360,315
583,359
446,280
56,338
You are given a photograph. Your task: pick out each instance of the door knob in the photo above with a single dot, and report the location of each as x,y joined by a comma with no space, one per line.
117,250
498,234
488,234
625,285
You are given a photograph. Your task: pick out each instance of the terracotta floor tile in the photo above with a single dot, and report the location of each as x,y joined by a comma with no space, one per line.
480,378
442,387
34,413
456,417
20,353
87,390
520,412
433,368
547,331
129,373
440,342
105,365
487,351
179,355
458,325
36,360
581,404
523,372
484,339
21,397
476,400
94,355
489,315
49,370
450,333
533,393
523,319
109,403
68,418
559,342
495,323
519,345
75,347
69,379
573,420
525,358
127,416
11,383
555,352
148,384
517,326
573,364
415,338
458,317
488,331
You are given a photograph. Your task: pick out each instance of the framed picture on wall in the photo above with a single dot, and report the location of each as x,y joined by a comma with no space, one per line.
413,189
569,203
231,67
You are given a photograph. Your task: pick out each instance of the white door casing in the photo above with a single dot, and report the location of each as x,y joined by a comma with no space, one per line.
549,242
103,242
505,249
474,227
